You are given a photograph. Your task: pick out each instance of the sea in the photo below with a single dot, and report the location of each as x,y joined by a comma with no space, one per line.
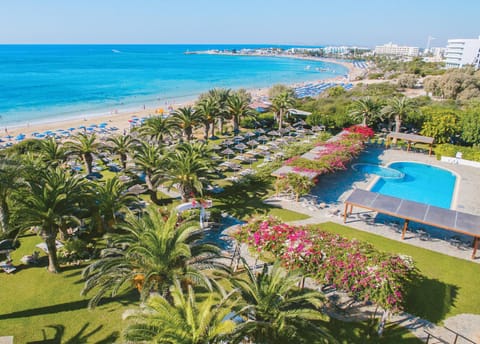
46,83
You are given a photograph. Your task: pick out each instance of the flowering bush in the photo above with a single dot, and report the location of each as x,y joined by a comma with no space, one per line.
331,157
366,132
348,265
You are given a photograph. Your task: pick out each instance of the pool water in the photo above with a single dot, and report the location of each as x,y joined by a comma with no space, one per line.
384,172
421,183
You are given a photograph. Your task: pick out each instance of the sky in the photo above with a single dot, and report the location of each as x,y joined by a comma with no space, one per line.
291,22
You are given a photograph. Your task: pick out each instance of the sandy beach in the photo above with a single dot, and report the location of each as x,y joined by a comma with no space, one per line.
120,119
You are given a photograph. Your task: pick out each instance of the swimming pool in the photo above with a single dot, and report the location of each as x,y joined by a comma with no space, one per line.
421,183
384,172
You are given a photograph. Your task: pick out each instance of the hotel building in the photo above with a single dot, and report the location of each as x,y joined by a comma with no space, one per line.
461,52
396,50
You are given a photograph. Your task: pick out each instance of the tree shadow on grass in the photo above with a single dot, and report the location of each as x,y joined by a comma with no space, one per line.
82,336
362,333
124,300
244,199
430,299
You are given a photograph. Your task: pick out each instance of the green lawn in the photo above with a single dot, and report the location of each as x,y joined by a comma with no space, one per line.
33,300
449,285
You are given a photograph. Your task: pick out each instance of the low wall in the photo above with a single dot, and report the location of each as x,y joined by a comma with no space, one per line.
456,161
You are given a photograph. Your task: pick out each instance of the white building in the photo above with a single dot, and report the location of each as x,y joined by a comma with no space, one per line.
396,50
461,52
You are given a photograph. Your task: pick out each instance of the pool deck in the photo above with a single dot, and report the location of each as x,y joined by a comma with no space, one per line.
334,188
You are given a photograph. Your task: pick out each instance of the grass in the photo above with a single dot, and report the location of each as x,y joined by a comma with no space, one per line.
36,305
449,285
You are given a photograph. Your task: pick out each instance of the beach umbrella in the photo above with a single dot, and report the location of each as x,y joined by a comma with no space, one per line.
241,147
300,123
9,136
239,138
227,152
35,133
104,124
216,147
262,138
136,189
263,148
273,133
250,134
19,137
260,131
71,129
228,142
252,143
93,125
81,127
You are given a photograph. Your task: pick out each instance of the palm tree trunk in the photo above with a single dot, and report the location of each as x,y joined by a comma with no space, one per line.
4,216
398,124
88,159
207,129
213,129
280,119
152,191
220,124
123,159
52,253
235,125
364,121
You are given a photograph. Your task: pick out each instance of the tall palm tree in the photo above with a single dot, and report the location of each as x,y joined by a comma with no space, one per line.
238,108
365,109
111,198
397,109
157,128
191,319
52,153
222,95
84,146
151,253
186,166
281,103
9,181
122,145
148,158
208,109
49,203
275,310
187,119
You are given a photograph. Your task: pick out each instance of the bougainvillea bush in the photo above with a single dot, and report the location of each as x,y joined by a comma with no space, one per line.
331,156
348,265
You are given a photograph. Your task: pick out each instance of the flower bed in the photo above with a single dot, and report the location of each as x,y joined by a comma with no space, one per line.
349,265
334,155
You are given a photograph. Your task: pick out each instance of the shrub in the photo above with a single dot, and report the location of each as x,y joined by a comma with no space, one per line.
349,265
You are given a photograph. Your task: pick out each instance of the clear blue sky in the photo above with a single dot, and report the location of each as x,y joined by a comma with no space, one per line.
367,22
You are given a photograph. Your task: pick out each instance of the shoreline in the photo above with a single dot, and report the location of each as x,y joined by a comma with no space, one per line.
119,118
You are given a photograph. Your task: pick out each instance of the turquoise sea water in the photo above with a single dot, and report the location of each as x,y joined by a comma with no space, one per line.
49,82
421,183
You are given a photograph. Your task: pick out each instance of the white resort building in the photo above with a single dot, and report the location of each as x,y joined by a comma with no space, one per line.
396,50
461,52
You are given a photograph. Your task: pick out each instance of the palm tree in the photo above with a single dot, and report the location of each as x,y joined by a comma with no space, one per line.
222,95
156,128
111,198
365,109
52,153
281,103
191,319
187,119
208,109
9,182
186,166
397,109
122,145
49,203
151,253
238,108
148,158
275,310
84,145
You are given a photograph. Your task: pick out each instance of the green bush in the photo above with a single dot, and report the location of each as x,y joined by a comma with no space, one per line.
449,150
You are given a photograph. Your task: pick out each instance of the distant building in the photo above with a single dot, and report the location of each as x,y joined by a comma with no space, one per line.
396,50
461,52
